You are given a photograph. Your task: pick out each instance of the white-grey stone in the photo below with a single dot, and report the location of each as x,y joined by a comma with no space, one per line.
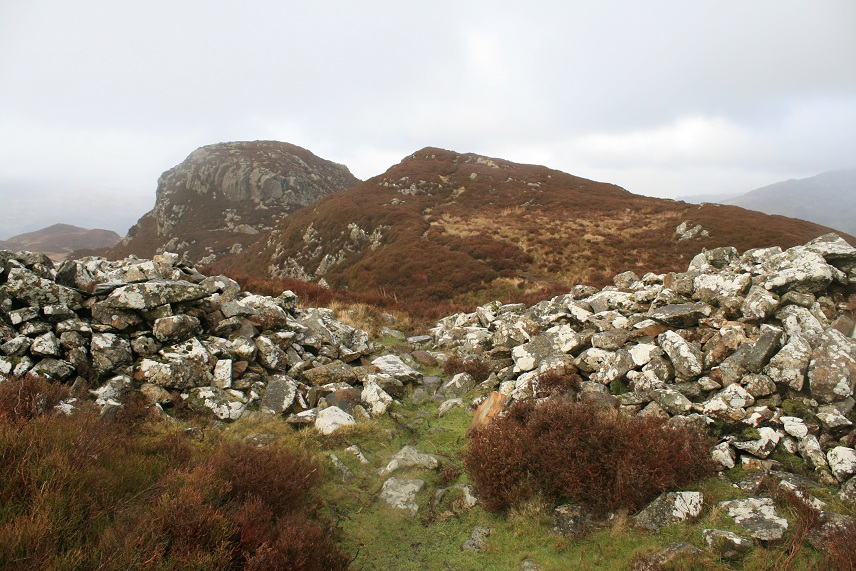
401,494
332,419
842,462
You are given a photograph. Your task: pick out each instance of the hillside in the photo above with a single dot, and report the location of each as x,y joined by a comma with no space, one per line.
700,420
828,198
443,226
223,197
61,239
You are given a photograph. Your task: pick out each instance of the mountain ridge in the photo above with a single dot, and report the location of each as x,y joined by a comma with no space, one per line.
440,225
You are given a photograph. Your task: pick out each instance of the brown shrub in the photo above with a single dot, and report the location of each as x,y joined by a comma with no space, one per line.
477,367
23,399
556,382
300,545
284,480
838,548
567,451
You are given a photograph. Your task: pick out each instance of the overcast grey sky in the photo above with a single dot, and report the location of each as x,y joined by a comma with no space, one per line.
664,98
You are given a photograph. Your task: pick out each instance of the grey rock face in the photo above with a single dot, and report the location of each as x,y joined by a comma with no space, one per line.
832,369
279,395
247,185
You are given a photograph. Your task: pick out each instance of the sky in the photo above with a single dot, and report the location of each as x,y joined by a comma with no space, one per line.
664,97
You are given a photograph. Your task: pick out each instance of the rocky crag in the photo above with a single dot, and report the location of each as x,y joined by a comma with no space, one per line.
757,347
223,197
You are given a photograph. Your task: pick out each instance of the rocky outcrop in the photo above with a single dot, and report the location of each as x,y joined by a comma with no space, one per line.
758,347
161,327
225,197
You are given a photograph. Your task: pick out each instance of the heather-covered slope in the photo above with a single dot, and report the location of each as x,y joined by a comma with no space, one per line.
442,225
223,197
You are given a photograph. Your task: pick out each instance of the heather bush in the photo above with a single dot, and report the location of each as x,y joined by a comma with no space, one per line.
86,491
283,479
23,399
555,382
477,367
567,451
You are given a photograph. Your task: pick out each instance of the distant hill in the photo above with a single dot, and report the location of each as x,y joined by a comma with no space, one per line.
224,197
443,226
828,198
60,240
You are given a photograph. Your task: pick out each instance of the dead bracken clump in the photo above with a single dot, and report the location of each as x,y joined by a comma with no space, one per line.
600,458
23,399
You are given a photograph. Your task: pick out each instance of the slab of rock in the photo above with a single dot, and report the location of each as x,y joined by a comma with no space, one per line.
152,294
669,508
393,365
682,314
671,555
332,419
458,385
374,397
757,516
225,404
832,369
279,395
409,457
487,410
175,327
685,357
401,494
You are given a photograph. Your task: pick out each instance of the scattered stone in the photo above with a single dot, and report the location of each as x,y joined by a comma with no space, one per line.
570,519
726,545
478,539
401,494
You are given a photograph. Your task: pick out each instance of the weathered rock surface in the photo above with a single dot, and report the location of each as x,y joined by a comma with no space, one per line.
224,197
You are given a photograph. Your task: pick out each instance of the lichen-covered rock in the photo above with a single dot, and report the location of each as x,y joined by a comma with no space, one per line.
832,369
571,519
790,364
685,357
280,394
669,508
409,457
727,545
758,517
152,294
393,365
110,352
401,494
37,291
225,404
374,397
175,327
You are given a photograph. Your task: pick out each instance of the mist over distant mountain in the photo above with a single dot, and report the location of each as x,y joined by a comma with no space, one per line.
828,198
61,239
